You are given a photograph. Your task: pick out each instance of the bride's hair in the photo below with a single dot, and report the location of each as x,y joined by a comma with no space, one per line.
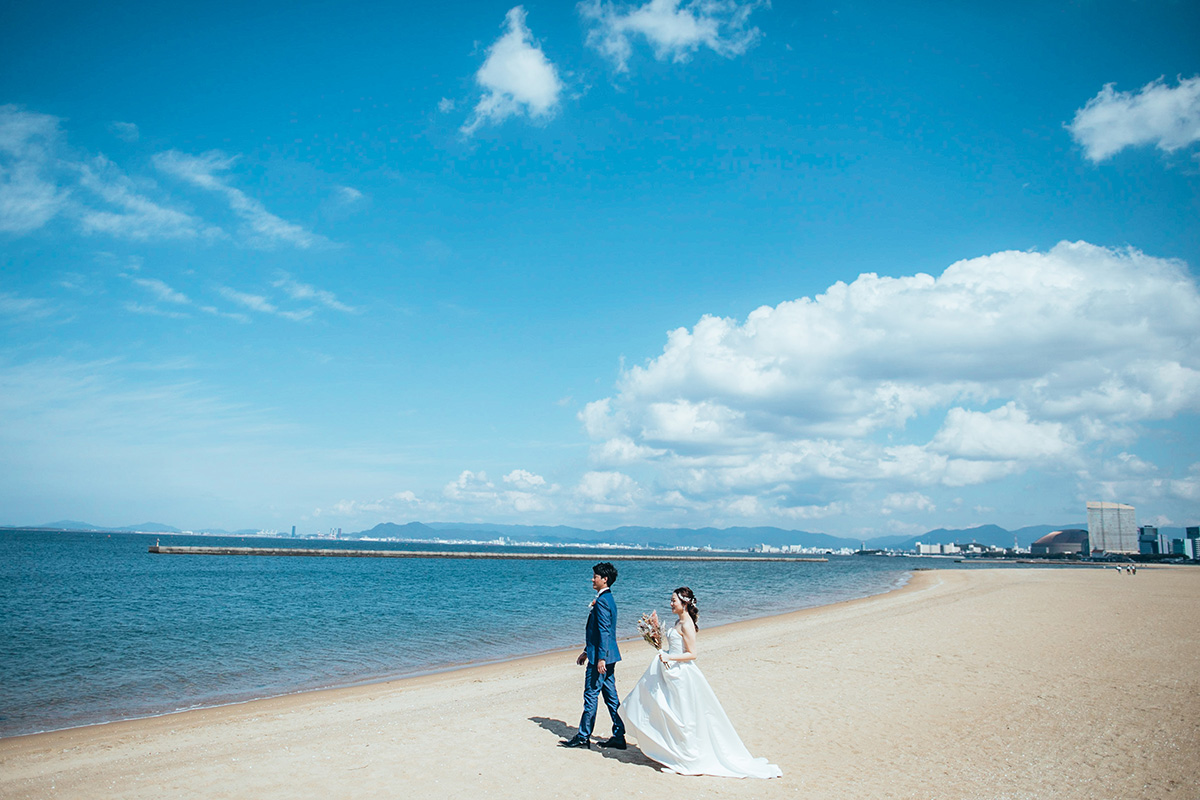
689,602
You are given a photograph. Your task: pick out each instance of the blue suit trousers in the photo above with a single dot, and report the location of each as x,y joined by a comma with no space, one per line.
595,684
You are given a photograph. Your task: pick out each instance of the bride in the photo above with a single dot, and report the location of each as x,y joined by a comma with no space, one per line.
675,716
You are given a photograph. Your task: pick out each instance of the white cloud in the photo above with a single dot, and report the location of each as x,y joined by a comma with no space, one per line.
216,312
473,493
155,311
608,492
1006,433
1016,361
673,29
303,291
622,450
1129,479
907,502
162,291
523,479
256,302
797,513
348,195
125,131
140,218
517,78
29,195
23,308
40,178
1166,117
445,105
204,171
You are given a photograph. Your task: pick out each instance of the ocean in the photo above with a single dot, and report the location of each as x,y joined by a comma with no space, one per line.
95,628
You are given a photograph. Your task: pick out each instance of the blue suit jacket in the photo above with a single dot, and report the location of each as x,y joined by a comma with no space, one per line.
602,631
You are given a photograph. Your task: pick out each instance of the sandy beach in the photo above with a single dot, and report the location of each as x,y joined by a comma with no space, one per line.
1033,683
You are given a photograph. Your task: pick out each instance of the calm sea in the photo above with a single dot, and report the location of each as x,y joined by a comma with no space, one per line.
94,628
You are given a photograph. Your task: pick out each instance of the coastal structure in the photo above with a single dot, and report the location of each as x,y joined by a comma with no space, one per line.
312,552
1071,541
960,548
1112,527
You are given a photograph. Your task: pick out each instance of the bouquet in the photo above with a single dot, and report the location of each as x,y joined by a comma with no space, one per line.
651,629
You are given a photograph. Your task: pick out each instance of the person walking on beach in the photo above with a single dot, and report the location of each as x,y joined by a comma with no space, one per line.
601,655
674,714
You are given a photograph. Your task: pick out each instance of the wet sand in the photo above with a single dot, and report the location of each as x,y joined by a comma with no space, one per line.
1007,683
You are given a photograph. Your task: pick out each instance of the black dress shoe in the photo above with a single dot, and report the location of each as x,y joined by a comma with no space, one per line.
578,741
616,743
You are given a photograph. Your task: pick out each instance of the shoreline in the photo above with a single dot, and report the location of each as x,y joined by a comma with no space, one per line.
977,683
448,669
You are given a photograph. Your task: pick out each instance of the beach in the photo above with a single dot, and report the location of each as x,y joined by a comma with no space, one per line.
1007,683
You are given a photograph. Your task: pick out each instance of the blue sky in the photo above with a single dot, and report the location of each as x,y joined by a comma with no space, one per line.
854,268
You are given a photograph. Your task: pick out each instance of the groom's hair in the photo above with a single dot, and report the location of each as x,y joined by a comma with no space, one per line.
607,571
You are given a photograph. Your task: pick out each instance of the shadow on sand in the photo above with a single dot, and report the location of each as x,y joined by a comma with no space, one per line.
564,731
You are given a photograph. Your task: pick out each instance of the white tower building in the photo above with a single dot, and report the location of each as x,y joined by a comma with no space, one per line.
1112,527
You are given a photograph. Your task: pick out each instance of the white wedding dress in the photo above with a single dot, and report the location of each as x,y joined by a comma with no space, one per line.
678,722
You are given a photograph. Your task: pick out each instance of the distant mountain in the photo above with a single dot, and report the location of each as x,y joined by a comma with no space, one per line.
542,533
733,538
72,525
984,534
76,525
149,527
738,538
722,538
725,537
390,530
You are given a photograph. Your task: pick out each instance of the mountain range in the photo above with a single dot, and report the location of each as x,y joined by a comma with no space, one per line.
738,538
718,538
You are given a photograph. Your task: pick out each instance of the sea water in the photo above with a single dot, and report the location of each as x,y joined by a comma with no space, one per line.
94,628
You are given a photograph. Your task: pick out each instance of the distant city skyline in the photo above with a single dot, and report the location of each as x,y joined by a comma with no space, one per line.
866,270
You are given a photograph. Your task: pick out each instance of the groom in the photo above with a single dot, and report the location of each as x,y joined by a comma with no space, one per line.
601,655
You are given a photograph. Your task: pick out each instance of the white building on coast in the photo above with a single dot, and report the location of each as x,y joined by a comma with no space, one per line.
1112,527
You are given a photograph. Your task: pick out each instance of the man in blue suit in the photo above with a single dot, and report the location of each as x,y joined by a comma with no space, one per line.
601,656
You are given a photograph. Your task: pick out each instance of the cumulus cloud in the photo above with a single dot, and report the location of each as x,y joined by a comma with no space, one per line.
1003,434
673,29
1164,116
206,172
608,491
523,479
1015,361
29,195
517,79
907,502
472,492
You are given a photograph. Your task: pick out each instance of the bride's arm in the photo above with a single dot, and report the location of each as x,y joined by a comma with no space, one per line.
689,646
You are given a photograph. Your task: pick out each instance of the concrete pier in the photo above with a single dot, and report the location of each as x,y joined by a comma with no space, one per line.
170,550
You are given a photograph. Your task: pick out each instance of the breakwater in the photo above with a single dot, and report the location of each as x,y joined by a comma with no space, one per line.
179,550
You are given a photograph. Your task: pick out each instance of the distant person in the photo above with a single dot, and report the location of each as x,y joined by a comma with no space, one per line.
675,715
601,655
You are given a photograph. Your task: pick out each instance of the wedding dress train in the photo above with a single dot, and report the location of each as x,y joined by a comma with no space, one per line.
678,722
